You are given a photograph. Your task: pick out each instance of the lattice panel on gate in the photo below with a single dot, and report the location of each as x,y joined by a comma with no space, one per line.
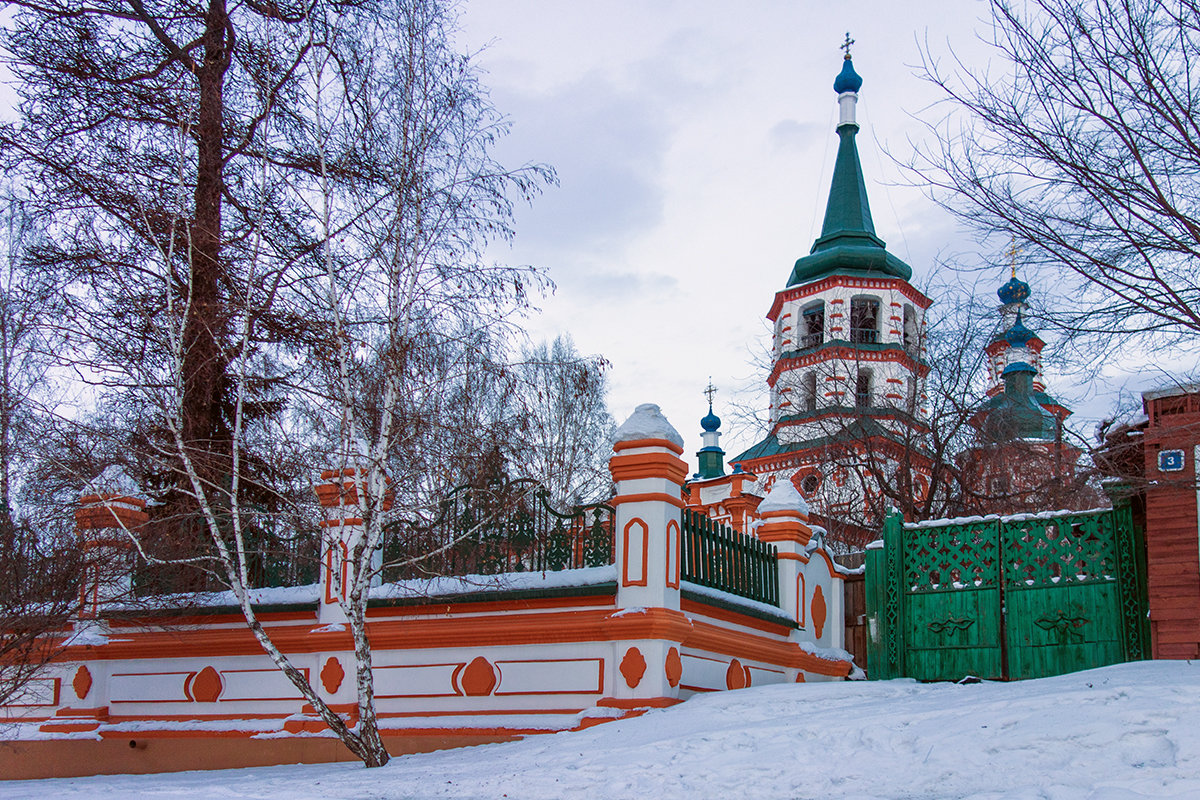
951,557
1072,548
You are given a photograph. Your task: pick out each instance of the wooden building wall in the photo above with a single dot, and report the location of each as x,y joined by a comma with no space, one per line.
1173,524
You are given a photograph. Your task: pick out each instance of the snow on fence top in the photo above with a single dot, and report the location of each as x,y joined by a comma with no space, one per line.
647,422
941,523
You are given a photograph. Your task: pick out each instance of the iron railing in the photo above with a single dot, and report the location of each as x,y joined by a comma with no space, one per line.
864,336
720,557
497,529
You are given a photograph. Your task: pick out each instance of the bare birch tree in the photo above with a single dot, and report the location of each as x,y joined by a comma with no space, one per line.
563,426
281,246
404,195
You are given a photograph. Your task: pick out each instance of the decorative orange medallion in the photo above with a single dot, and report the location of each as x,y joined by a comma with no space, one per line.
674,667
819,611
479,678
332,675
633,667
82,683
206,686
735,676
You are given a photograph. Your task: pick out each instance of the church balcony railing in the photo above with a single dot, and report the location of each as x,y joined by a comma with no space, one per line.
864,336
810,340
719,557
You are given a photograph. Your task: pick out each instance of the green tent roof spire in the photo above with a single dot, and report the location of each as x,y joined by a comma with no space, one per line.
848,210
848,242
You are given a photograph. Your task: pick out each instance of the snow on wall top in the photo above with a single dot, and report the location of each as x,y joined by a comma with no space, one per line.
647,422
783,497
115,480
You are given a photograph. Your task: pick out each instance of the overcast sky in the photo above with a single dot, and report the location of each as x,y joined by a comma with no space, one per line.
694,143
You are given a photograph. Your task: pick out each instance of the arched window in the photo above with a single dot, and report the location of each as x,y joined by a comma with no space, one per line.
863,389
864,320
809,394
812,325
911,395
911,331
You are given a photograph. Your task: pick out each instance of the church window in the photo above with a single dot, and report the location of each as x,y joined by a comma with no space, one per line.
812,325
862,389
810,391
810,484
911,395
910,329
864,320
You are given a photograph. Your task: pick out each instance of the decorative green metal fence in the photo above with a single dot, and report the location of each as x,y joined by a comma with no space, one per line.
278,553
496,529
1006,597
720,557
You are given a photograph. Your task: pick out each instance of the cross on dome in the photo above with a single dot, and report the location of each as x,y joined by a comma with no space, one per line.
711,421
1012,252
845,46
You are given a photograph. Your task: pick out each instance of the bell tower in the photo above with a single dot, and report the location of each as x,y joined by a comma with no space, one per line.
846,370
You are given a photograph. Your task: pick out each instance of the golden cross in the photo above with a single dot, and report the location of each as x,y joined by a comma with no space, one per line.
1012,255
710,391
845,46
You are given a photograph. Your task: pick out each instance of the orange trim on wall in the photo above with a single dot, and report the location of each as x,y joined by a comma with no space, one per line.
599,675
550,627
341,595
673,554
725,615
648,497
674,448
801,590
712,638
641,578
635,466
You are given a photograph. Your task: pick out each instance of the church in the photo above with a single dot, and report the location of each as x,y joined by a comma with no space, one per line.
849,414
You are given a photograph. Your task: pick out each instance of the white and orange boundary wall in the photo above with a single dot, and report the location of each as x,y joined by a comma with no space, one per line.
456,661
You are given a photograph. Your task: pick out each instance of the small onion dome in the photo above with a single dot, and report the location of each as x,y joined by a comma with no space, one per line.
1015,291
1018,335
710,422
847,80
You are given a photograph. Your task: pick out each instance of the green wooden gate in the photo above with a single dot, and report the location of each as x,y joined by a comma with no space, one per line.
1025,596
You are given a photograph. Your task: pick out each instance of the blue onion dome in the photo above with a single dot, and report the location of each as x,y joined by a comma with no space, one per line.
847,80
710,422
1018,335
1015,291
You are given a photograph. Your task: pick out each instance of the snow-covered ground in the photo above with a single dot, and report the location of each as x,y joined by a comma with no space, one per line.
1126,731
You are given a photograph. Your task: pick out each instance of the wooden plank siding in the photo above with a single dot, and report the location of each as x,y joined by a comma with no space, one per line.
855,588
1172,535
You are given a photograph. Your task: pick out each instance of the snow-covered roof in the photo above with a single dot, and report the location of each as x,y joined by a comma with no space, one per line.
115,480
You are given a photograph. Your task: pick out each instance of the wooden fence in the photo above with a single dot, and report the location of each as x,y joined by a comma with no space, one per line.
720,557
